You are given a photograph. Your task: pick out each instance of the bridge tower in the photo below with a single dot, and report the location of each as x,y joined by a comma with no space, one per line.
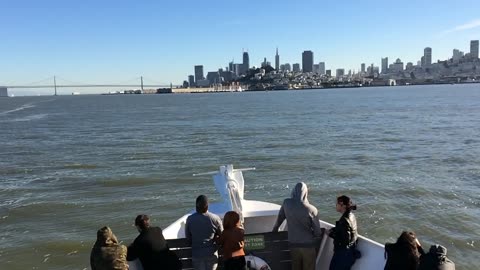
55,84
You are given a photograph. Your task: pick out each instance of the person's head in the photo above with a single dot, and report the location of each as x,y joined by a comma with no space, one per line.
407,241
201,204
142,222
300,192
344,204
231,220
105,237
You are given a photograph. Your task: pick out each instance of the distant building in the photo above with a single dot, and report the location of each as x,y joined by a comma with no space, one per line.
307,61
316,68
277,61
474,49
340,72
409,66
457,55
296,67
246,63
328,72
191,80
287,67
227,76
385,65
397,66
237,69
265,63
198,74
321,68
213,77
427,53
202,83
362,68
3,92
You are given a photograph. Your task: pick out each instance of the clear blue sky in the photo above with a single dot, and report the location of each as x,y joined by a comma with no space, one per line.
106,41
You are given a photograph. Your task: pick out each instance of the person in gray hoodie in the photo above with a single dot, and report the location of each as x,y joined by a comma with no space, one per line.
303,227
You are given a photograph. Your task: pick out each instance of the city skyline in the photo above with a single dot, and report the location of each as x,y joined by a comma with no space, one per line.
111,41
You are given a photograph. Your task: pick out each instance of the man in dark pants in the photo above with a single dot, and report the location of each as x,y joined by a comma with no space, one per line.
151,247
201,230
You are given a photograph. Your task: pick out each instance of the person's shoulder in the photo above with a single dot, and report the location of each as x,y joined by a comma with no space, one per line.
123,249
213,215
390,247
191,216
216,218
313,208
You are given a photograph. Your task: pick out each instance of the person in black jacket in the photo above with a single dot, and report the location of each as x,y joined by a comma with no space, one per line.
344,236
151,247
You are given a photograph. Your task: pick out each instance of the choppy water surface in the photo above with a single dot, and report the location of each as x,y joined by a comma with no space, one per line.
409,156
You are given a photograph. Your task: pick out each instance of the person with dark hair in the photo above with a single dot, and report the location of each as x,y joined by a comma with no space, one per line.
232,242
201,230
303,227
107,253
436,259
151,247
344,236
404,254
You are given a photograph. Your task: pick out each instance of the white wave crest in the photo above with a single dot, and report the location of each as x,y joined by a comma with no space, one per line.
23,107
28,118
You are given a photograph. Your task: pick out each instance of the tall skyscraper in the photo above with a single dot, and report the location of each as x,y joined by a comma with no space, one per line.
362,68
307,61
385,65
191,80
474,49
427,53
277,61
296,67
198,73
321,68
246,63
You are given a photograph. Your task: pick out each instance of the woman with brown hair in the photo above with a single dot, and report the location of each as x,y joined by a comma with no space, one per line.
232,242
405,253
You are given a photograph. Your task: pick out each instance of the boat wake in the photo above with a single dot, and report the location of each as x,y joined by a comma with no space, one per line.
27,118
23,107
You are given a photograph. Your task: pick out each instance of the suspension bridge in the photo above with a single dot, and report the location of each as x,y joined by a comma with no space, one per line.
51,83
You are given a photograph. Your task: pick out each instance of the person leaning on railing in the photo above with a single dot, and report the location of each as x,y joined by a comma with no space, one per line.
232,241
303,227
107,253
344,236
